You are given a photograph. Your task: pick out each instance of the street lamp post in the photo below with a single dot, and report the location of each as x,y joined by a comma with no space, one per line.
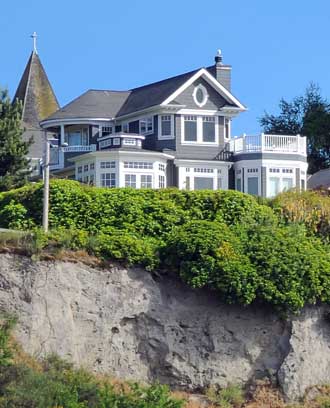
45,209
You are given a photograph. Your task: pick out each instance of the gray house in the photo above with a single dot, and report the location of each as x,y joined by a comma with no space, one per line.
175,132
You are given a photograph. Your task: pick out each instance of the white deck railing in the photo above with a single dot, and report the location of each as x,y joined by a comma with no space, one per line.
269,143
57,158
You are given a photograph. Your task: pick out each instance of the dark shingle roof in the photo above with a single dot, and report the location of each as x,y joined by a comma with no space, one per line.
36,93
110,104
93,104
320,179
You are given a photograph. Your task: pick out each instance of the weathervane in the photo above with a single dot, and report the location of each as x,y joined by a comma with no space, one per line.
34,36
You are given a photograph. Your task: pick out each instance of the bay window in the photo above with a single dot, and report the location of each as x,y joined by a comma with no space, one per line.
130,180
146,181
108,179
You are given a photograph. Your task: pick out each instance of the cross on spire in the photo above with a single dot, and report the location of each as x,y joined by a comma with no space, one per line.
34,36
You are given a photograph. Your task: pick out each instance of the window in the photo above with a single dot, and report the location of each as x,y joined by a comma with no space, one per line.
130,180
190,128
287,183
252,183
274,170
288,171
86,167
92,166
147,125
146,181
161,167
200,95
106,130
125,128
302,182
187,183
209,129
239,184
187,169
138,165
77,137
274,186
203,170
252,170
161,180
108,179
129,141
199,129
203,183
166,127
116,141
91,179
227,128
80,169
105,143
219,183
108,165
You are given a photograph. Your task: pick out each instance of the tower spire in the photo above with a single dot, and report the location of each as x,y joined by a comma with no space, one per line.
34,37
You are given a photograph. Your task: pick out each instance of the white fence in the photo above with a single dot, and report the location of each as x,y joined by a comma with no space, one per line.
269,143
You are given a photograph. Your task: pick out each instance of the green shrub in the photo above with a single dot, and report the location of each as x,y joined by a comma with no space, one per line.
14,216
6,354
208,254
229,397
310,208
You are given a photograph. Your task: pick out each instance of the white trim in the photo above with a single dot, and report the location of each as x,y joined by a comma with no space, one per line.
212,81
199,124
118,153
73,121
205,95
166,137
145,119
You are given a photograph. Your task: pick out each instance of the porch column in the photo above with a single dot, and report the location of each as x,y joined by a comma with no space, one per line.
62,135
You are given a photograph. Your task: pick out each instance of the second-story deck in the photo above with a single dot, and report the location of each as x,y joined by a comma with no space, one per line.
269,144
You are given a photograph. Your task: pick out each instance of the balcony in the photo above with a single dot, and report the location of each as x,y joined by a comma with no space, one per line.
57,154
269,144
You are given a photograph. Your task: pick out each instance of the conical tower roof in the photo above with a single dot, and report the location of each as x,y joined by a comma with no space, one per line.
36,93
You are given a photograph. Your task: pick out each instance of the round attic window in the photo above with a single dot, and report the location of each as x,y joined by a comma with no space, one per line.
200,95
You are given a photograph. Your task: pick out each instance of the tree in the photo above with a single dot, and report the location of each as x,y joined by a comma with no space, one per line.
308,115
14,165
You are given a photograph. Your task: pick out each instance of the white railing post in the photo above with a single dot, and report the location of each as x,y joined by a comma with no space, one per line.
262,142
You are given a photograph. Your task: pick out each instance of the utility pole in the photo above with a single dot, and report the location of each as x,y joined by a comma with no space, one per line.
45,209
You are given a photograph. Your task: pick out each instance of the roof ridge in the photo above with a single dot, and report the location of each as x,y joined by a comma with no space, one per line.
167,79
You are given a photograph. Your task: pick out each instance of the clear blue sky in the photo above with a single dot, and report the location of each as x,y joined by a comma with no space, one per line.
275,47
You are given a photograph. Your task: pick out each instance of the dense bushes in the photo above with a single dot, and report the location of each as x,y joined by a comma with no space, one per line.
54,383
242,247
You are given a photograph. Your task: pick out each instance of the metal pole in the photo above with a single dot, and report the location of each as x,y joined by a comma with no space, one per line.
46,186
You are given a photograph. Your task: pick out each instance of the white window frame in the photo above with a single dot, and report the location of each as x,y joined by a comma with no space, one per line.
199,140
128,183
110,179
129,141
280,174
160,119
146,120
161,181
226,121
205,95
116,141
147,175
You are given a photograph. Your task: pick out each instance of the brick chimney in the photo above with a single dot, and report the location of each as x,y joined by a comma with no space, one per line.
222,72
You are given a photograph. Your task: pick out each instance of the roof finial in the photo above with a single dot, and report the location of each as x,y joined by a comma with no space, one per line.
218,57
34,36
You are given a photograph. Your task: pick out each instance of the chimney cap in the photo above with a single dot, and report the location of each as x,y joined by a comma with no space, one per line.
218,57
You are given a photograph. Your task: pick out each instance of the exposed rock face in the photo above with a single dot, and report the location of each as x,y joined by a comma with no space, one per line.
126,323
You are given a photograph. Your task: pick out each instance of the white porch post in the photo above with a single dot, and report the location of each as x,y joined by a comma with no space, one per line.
62,137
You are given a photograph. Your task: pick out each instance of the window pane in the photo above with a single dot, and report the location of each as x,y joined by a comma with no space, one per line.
203,183
73,138
253,185
190,131
166,128
302,184
146,181
238,184
208,132
287,184
130,180
274,186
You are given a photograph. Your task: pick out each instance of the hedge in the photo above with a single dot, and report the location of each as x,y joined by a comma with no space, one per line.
246,249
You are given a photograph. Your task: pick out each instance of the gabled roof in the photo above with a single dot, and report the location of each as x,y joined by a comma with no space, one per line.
110,104
36,93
